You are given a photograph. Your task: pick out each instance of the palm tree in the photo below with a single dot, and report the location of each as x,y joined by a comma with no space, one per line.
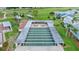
69,30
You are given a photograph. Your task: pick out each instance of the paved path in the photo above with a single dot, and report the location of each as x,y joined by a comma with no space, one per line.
39,48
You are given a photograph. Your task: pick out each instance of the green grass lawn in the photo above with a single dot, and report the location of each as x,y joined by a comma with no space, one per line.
15,27
44,12
67,40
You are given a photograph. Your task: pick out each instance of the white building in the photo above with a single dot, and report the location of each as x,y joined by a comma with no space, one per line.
7,26
67,20
65,13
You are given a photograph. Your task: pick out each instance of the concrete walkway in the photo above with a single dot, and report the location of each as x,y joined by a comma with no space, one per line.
39,48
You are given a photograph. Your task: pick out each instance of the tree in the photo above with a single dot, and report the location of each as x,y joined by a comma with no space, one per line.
51,13
12,7
15,13
35,12
69,33
51,16
5,46
1,14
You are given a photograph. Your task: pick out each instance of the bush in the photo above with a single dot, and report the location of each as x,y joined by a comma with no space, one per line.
1,14
5,45
57,22
15,13
51,13
14,46
35,12
1,49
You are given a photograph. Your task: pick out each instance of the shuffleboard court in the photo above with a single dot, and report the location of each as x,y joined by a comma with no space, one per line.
39,34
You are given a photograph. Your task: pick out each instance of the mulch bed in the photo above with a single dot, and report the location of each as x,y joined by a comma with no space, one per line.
76,42
67,46
22,24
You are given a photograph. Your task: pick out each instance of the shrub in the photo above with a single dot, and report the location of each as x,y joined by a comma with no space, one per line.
15,13
5,45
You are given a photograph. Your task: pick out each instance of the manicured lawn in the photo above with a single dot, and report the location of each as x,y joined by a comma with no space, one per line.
14,28
67,40
44,12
